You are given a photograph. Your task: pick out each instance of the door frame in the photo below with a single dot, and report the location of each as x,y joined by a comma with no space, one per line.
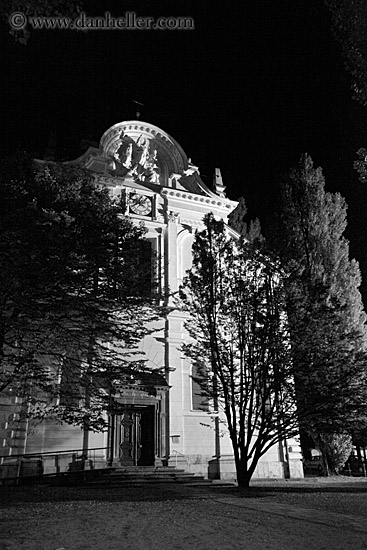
134,401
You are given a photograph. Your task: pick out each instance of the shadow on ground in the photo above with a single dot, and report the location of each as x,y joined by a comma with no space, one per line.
12,495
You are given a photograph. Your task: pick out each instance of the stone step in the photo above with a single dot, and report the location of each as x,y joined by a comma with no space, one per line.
145,474
182,478
136,476
129,483
119,473
119,477
143,469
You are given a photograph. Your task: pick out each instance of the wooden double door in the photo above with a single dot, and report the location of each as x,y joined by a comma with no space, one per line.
135,436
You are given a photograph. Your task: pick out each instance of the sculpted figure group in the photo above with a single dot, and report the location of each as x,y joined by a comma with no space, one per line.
138,159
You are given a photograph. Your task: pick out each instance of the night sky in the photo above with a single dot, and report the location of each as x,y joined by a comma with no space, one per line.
254,86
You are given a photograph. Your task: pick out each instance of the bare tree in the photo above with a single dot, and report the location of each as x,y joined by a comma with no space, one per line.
234,299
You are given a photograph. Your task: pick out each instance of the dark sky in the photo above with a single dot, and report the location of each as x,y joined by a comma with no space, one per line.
255,85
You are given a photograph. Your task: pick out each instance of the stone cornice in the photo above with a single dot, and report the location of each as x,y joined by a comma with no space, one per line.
169,193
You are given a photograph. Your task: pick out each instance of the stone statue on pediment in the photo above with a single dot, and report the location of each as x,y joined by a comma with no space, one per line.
122,160
142,151
152,168
128,159
137,159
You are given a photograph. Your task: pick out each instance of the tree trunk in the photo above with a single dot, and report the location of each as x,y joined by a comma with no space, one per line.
325,463
243,480
89,380
244,475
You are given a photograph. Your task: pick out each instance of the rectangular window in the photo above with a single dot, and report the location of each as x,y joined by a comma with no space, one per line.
70,387
146,267
200,401
139,269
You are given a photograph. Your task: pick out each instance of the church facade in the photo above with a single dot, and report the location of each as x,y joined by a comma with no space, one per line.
167,424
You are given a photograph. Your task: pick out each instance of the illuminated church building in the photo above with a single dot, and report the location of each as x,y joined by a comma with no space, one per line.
167,425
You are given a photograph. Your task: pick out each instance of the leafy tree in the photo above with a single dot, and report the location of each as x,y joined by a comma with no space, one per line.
349,21
324,306
361,164
250,231
71,306
234,300
338,448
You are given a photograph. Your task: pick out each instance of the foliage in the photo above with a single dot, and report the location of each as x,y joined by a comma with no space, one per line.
360,438
250,231
234,299
324,306
337,448
71,306
361,164
349,20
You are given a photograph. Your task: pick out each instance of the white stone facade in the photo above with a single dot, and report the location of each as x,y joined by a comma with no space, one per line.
163,189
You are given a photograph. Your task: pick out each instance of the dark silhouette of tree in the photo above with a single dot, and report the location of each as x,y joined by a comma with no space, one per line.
349,21
72,306
360,165
234,299
251,230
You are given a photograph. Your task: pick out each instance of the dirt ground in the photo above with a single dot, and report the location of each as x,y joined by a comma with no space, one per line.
315,514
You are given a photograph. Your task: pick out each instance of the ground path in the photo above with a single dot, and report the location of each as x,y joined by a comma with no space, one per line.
315,515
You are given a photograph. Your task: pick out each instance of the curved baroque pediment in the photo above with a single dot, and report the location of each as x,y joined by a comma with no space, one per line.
143,151
139,154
